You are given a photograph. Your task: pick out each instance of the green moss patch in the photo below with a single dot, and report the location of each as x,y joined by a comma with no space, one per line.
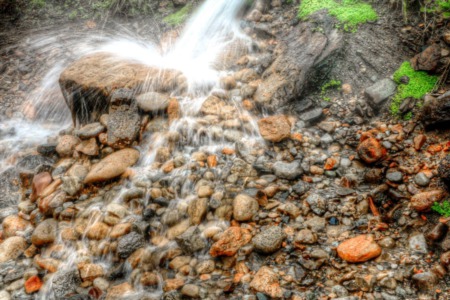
419,84
442,208
350,13
332,84
178,17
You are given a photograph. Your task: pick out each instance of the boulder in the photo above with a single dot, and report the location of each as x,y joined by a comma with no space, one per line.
113,165
88,83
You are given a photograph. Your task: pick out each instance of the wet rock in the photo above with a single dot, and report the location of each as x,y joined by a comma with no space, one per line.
13,224
371,151
88,83
120,291
112,166
317,203
89,272
66,145
266,281
269,240
425,281
205,267
359,249
191,291
380,92
98,231
123,119
33,284
45,233
197,210
9,188
421,179
428,59
90,130
275,128
311,116
305,236
88,147
423,201
129,243
153,102
230,242
65,282
418,244
191,240
291,171
444,169
244,207
12,248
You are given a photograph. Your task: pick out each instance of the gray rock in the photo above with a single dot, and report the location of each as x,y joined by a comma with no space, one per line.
306,236
317,203
123,119
380,91
129,243
300,188
45,233
269,240
191,240
418,244
153,102
291,171
425,280
34,164
71,185
394,176
9,189
65,282
444,169
90,130
311,116
421,179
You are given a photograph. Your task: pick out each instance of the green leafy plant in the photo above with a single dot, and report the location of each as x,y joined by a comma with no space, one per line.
349,13
442,208
332,84
419,84
178,17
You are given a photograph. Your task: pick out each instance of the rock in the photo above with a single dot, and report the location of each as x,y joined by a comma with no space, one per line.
112,166
244,207
421,179
269,240
418,244
230,242
428,59
45,233
359,249
33,284
371,151
419,141
311,116
65,282
266,281
11,248
129,243
380,92
121,291
88,83
205,267
89,272
40,182
290,171
66,145
153,102
425,281
305,236
13,224
275,128
191,291
317,203
423,201
197,210
191,240
394,176
98,231
173,110
90,130
88,147
9,188
436,111
444,169
302,51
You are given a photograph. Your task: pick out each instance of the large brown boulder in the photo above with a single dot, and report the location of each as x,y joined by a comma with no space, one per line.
88,83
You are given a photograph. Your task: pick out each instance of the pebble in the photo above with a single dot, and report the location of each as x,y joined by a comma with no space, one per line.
421,179
418,244
244,207
269,240
394,176
359,249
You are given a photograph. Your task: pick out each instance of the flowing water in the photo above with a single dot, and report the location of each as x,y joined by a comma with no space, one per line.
198,53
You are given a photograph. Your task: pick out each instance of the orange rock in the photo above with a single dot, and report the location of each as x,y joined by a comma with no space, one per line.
119,291
149,279
88,272
423,201
275,128
98,231
297,137
228,151
173,110
247,104
173,284
120,230
48,264
359,249
212,161
12,224
168,166
266,281
433,149
33,284
419,141
371,151
40,182
230,242
330,163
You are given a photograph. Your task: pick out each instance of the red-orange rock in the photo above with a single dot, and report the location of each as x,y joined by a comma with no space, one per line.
423,201
33,284
98,231
173,110
359,249
212,161
40,182
230,242
371,151
266,281
330,163
48,264
419,141
275,128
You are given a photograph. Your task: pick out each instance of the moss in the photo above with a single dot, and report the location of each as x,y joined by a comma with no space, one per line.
178,17
419,84
349,13
442,208
332,84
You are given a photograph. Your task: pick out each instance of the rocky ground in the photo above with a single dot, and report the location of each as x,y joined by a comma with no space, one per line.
334,204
